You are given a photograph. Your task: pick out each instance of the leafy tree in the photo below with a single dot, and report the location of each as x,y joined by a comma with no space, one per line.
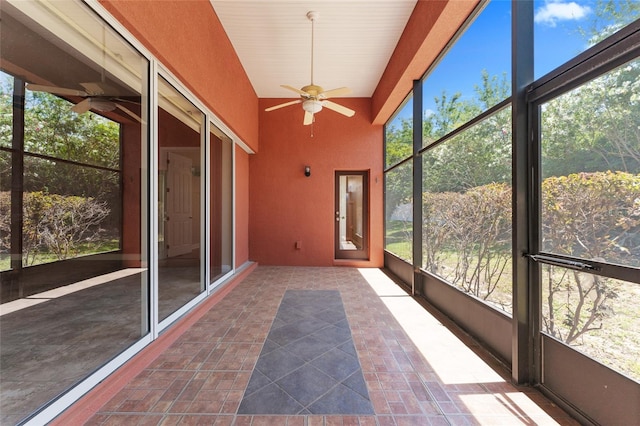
53,130
590,190
492,90
399,141
610,16
67,155
450,113
594,127
398,208
398,183
478,156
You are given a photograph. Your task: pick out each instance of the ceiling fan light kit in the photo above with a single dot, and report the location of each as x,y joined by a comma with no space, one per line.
312,97
312,106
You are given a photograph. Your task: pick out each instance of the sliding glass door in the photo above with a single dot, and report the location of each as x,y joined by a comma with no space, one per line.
74,283
180,236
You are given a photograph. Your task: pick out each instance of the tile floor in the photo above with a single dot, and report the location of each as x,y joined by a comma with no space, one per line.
308,364
416,373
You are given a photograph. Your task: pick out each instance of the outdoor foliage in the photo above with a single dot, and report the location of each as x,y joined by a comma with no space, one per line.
54,131
594,127
54,224
593,216
467,239
590,197
71,179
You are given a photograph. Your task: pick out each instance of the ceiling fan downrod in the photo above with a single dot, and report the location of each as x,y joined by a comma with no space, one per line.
312,16
313,98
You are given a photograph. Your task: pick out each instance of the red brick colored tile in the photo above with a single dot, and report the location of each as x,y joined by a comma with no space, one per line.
200,378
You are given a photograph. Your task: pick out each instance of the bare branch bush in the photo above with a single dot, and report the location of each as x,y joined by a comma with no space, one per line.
476,226
592,216
58,224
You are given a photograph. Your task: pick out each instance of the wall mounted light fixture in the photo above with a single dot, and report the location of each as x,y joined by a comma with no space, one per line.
307,171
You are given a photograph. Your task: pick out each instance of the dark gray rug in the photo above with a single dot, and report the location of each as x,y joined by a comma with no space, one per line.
308,364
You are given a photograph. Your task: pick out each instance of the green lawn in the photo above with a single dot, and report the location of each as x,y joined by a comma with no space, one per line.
82,250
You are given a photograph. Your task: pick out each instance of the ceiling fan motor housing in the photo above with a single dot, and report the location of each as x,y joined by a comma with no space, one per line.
312,90
312,97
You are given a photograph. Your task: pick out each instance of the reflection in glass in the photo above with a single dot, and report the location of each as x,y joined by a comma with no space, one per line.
466,207
85,138
70,210
595,315
399,211
351,211
220,191
5,211
590,192
180,178
6,110
76,295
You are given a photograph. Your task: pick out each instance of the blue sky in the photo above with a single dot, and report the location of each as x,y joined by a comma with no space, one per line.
487,45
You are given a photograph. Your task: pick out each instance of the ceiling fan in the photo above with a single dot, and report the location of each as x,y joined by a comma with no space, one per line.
95,97
312,97
96,94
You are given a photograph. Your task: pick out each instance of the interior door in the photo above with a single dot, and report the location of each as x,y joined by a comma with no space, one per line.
352,215
179,215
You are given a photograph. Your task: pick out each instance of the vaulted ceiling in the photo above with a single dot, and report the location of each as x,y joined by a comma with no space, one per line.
353,41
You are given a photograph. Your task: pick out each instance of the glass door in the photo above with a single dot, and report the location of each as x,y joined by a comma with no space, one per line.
180,275
352,215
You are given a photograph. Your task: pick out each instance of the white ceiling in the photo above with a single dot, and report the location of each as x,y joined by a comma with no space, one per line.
354,40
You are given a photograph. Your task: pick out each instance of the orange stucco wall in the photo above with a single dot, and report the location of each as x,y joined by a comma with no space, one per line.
285,206
276,205
188,38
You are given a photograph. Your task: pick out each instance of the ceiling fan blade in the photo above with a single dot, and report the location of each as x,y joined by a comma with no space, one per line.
55,90
96,88
283,105
83,106
298,91
129,101
129,113
338,108
308,118
334,93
